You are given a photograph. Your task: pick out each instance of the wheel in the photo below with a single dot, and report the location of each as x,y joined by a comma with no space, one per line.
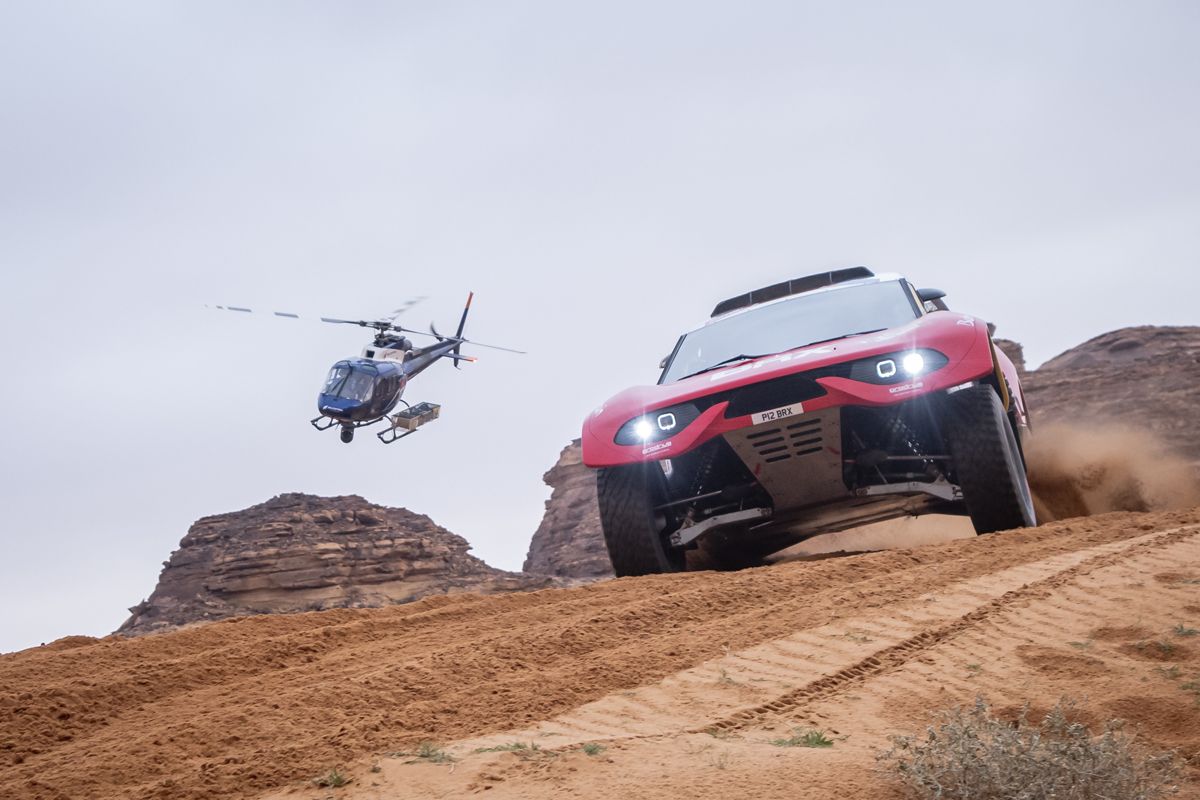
347,435
633,531
727,550
987,461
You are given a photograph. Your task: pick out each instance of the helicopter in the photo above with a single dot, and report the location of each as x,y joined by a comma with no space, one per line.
364,391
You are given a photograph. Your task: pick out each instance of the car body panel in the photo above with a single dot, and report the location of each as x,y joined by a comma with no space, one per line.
964,341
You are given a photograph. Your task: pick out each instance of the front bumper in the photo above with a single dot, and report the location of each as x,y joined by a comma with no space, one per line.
600,449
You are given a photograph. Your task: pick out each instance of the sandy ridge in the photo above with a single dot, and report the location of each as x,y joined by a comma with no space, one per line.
241,707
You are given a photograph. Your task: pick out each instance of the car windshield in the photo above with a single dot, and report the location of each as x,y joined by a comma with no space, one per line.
349,384
804,319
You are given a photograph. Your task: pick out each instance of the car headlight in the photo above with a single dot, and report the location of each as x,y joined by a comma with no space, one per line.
654,426
913,363
897,367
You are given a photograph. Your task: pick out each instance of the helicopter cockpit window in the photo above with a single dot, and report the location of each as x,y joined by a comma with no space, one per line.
334,381
349,384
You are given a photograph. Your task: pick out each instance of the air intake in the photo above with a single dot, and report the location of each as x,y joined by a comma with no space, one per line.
779,444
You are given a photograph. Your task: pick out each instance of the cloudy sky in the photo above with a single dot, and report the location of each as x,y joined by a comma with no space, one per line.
600,174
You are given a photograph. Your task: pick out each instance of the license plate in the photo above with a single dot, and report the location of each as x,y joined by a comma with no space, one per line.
778,414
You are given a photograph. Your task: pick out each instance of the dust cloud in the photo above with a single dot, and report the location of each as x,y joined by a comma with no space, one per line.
1082,469
1074,471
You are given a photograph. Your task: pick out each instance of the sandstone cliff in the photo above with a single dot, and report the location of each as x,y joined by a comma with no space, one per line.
1146,377
568,542
297,552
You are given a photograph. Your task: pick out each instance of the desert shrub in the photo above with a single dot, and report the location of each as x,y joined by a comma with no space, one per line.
431,752
799,738
333,779
973,755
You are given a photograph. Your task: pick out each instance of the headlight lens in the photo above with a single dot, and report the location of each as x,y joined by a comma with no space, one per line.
891,368
654,426
913,363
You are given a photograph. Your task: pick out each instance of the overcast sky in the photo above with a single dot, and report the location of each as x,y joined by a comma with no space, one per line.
600,174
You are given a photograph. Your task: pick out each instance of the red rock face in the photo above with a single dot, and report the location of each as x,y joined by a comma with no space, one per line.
1144,377
568,543
297,552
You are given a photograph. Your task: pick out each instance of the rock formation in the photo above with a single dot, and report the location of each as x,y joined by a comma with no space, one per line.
568,542
1146,377
297,552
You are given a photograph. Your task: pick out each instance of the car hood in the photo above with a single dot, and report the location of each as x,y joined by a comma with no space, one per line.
956,336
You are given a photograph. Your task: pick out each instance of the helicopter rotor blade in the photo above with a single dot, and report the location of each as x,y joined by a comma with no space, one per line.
245,310
381,325
405,306
337,321
398,329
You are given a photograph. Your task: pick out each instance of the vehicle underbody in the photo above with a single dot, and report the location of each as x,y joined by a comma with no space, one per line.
767,486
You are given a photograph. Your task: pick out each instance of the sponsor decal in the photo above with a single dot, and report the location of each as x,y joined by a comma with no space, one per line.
656,448
778,413
907,387
782,358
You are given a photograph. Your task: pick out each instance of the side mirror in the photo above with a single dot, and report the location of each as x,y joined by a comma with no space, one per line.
932,299
663,364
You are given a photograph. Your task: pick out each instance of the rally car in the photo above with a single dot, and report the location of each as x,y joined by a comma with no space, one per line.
811,406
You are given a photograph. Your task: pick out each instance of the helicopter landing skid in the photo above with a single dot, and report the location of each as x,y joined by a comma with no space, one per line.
322,423
408,421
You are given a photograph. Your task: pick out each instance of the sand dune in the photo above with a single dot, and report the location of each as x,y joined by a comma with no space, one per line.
680,682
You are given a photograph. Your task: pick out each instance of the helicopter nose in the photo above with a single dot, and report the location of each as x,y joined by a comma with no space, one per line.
337,407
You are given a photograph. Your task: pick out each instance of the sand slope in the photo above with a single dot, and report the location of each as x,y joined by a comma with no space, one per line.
683,680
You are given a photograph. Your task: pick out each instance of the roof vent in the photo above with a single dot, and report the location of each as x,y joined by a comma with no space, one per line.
794,286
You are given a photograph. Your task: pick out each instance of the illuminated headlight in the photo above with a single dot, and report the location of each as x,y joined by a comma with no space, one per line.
654,426
889,368
913,363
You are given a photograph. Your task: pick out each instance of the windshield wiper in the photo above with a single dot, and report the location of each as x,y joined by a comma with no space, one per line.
843,336
731,359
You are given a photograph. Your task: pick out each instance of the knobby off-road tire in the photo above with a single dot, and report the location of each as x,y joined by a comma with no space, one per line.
725,551
633,531
987,461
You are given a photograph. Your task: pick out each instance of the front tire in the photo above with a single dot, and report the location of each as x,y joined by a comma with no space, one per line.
987,461
634,532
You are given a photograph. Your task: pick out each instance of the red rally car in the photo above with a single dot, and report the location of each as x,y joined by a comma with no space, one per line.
811,406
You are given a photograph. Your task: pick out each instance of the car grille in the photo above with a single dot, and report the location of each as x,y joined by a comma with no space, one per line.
770,394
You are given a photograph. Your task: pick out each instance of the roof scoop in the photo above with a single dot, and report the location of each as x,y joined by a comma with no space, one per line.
794,286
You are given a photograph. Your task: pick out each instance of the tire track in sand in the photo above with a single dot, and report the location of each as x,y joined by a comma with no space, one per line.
900,654
744,687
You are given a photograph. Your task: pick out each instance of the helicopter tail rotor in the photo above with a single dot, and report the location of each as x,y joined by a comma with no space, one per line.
462,323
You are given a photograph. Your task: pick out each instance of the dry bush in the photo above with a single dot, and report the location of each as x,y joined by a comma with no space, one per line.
973,755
